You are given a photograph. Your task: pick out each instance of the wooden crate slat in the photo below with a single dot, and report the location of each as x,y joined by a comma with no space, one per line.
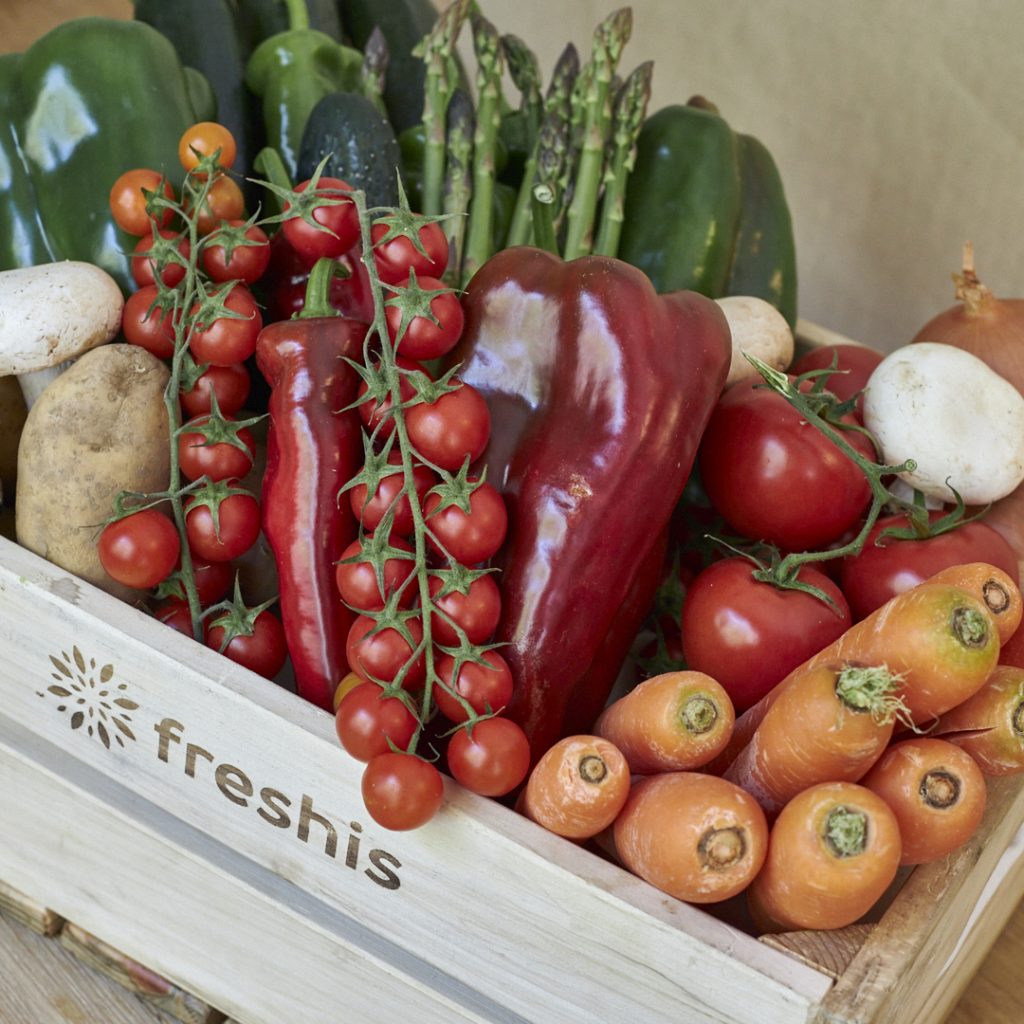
27,911
830,952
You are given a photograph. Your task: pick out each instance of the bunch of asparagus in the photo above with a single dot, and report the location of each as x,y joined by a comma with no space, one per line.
580,140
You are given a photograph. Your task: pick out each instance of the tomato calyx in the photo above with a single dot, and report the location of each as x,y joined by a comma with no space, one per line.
234,616
414,301
401,222
921,525
215,428
455,491
376,550
206,493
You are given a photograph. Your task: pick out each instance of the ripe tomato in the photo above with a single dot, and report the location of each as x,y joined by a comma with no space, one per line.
229,383
456,425
854,365
774,477
213,580
140,550
401,791
174,613
239,521
224,202
472,538
373,413
204,139
882,571
153,331
247,263
749,635
144,268
488,688
395,258
128,203
340,220
229,340
366,719
423,339
371,511
263,651
383,655
476,612
220,460
493,759
358,584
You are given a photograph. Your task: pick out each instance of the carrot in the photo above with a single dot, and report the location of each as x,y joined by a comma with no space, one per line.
937,793
694,836
830,725
672,722
577,787
990,725
996,590
832,853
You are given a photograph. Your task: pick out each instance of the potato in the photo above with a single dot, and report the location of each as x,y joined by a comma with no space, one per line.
98,429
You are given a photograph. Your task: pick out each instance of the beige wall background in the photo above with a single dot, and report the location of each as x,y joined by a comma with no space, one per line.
896,125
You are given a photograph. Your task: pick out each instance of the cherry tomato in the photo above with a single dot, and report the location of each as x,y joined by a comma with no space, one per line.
263,652
775,477
220,460
423,339
492,759
401,791
366,720
341,222
854,365
128,203
204,139
174,612
456,425
371,511
140,550
224,202
476,612
239,521
357,581
749,635
487,688
153,331
229,383
213,580
882,571
348,683
144,268
373,413
395,258
248,263
472,538
229,340
383,655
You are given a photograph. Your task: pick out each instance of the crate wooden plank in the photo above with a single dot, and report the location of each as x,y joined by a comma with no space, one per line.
831,952
21,908
261,772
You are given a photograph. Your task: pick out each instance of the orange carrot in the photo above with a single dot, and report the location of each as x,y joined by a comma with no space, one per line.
990,725
996,590
672,722
830,725
832,853
937,793
696,837
577,787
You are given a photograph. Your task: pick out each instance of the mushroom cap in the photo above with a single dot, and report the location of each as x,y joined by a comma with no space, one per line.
54,312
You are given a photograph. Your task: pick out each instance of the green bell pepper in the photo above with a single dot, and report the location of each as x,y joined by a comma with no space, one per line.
91,99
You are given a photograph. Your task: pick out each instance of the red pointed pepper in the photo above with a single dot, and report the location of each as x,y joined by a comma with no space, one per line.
599,390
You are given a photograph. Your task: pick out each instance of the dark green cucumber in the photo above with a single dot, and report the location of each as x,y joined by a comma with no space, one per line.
683,201
764,261
359,143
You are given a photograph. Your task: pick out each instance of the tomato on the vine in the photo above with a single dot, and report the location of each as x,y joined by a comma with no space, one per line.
239,527
776,478
357,581
151,330
383,655
229,339
475,612
264,651
487,688
456,425
749,635
139,550
128,203
854,365
367,720
212,579
472,538
220,460
397,256
339,222
401,791
490,757
144,267
229,383
422,338
203,139
887,567
247,263
373,414
370,510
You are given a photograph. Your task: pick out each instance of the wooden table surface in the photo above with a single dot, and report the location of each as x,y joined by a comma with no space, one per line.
41,984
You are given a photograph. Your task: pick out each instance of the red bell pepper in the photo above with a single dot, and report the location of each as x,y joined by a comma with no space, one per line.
599,390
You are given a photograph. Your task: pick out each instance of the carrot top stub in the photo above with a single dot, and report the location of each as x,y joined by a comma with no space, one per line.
874,689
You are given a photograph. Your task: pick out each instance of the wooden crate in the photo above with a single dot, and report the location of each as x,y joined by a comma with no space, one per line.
208,824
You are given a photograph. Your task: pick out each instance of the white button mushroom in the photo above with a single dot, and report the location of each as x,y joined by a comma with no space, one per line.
49,315
759,328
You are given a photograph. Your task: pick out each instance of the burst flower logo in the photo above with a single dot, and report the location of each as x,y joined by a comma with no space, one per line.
86,692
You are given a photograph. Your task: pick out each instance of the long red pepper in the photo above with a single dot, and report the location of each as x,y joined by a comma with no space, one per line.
313,449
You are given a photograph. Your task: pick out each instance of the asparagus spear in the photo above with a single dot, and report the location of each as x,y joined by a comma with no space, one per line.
490,67
437,50
525,74
574,142
374,69
630,110
609,39
458,183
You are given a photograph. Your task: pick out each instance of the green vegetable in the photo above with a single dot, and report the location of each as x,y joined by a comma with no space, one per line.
81,118
262,19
